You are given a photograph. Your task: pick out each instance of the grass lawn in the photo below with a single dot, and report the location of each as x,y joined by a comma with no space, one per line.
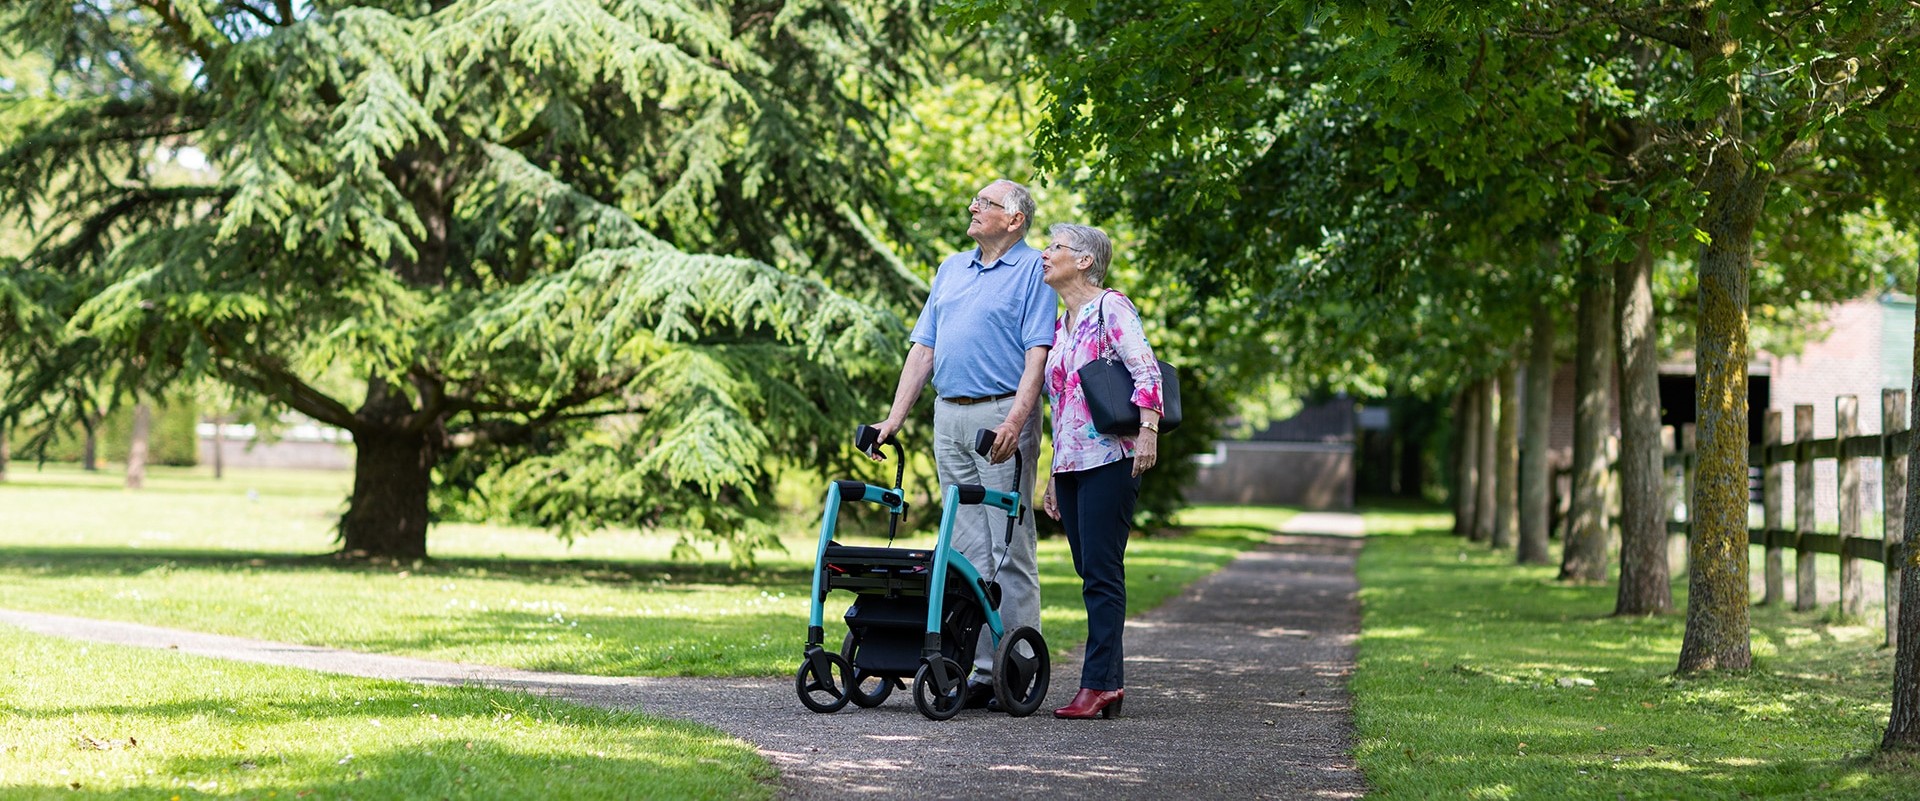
1481,679
126,722
239,557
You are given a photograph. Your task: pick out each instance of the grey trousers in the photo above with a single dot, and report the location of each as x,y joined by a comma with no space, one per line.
980,532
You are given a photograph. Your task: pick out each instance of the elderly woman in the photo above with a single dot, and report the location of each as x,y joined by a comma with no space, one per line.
1096,476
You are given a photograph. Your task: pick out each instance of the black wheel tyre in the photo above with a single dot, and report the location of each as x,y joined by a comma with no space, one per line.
818,686
1021,672
863,689
927,697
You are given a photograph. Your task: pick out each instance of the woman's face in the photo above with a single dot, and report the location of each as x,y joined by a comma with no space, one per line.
1061,264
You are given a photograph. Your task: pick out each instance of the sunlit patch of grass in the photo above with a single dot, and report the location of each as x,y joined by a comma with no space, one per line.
245,557
1215,516
1469,684
140,723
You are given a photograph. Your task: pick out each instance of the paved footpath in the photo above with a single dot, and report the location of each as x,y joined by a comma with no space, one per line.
1235,689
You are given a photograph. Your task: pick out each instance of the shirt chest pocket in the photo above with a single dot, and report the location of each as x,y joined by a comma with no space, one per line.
990,311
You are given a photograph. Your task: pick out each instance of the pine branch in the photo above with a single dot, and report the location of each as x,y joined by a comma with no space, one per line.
270,377
256,13
484,433
93,235
189,25
44,157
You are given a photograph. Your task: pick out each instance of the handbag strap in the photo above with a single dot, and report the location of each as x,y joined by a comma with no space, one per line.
1107,350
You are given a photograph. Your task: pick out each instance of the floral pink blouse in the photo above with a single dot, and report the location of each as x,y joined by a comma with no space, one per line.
1076,444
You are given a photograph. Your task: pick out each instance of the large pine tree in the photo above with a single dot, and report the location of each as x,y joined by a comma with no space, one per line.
577,261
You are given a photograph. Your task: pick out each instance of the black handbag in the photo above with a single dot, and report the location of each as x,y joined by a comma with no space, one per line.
1108,386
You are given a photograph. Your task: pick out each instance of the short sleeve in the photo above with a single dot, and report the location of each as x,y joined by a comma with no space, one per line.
1042,309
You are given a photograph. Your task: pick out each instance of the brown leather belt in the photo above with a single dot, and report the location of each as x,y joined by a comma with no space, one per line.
972,401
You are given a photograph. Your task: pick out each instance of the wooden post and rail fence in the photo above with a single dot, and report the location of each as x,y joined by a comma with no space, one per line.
1776,455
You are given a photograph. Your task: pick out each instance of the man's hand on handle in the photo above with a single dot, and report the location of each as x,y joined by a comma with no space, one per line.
887,429
1006,437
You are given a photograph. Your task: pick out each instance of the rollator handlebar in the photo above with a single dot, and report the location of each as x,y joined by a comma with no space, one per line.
867,440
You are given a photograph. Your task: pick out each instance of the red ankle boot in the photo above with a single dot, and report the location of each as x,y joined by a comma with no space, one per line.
1090,704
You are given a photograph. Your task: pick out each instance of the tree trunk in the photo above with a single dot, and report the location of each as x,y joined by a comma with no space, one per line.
1536,475
1903,725
219,447
1718,624
6,451
1506,505
90,445
1467,454
1645,585
137,445
387,518
1584,556
393,475
1486,505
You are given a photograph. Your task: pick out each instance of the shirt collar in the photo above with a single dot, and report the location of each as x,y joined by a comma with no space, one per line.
1005,258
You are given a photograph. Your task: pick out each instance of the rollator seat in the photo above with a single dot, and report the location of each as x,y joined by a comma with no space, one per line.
864,569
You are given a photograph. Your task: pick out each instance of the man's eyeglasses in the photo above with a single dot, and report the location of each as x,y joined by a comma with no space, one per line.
983,202
1061,245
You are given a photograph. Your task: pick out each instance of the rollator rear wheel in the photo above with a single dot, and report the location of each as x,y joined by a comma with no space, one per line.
927,696
865,690
1021,672
820,689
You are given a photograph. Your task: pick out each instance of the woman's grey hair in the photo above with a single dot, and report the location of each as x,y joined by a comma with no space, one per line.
1020,200
1086,240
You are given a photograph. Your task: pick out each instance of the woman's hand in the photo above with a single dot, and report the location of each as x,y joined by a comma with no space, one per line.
1049,501
1146,451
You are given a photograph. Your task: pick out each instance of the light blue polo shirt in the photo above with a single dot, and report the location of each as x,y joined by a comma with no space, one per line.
980,319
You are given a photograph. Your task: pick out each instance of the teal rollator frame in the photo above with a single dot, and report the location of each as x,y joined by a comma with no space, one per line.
917,613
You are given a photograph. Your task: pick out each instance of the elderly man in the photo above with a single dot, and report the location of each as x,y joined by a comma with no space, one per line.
983,338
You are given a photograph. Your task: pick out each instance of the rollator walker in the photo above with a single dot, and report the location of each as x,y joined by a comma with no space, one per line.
917,612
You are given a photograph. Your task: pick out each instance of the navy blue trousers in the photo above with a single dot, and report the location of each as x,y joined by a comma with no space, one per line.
1096,506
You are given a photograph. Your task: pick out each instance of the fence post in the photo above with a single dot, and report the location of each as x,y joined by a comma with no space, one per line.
1893,491
1803,585
1846,414
1771,510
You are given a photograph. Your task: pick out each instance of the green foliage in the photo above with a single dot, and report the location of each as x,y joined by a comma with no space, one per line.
1373,181
960,133
174,438
610,262
1312,238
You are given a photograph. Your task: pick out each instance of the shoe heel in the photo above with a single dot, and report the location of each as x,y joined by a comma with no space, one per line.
1111,711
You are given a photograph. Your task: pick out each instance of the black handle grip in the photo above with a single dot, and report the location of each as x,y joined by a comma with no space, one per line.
867,440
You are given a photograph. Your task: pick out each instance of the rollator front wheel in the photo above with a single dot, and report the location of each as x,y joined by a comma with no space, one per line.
927,695
822,681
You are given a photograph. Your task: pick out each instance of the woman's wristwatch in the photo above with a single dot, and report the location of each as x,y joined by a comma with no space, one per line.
1153,426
